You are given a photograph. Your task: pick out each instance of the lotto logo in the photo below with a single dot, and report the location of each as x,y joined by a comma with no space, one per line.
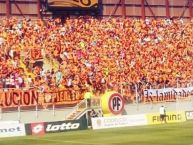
37,128
116,103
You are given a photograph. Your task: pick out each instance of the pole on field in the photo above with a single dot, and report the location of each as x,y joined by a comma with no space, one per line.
19,112
87,118
1,114
177,97
136,97
36,110
53,108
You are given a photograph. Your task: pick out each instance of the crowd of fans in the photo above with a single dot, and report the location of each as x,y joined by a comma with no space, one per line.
99,54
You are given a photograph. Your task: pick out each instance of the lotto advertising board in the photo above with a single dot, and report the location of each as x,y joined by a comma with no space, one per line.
62,126
42,128
119,121
171,117
12,129
35,128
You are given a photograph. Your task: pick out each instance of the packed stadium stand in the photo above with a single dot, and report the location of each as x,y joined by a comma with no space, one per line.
129,46
100,53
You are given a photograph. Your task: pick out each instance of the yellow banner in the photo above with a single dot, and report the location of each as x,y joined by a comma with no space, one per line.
171,117
73,3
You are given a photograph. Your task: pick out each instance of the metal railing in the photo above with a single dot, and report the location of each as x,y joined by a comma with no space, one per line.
78,110
83,106
133,93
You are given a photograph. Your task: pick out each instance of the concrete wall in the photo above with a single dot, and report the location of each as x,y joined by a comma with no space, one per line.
36,116
60,114
154,108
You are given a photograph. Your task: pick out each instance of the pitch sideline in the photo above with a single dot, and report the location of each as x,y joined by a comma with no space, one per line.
61,141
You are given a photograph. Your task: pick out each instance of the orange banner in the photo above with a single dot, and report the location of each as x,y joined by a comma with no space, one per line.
23,98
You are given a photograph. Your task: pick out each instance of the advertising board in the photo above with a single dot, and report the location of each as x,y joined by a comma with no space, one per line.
58,126
189,115
38,128
118,121
12,129
171,117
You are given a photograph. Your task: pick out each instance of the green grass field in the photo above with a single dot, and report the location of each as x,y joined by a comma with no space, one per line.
165,134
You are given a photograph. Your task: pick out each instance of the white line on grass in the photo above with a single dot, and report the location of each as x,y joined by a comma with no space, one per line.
62,141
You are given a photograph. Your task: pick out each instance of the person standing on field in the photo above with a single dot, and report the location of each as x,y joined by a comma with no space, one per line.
162,112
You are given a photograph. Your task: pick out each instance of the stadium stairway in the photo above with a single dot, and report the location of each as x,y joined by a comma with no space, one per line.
79,110
82,108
